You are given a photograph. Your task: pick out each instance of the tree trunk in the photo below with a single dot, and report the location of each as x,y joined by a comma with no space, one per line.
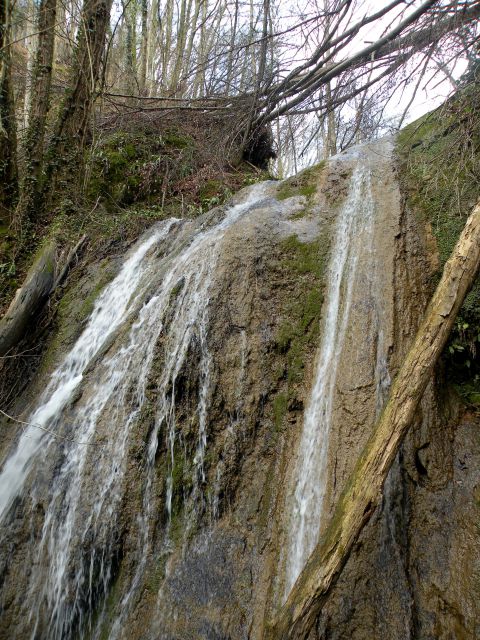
364,488
142,75
153,34
130,48
75,113
199,80
40,82
177,88
43,277
30,48
8,135
231,52
193,32
166,50
331,124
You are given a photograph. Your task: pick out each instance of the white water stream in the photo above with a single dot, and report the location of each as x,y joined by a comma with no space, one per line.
146,327
101,401
111,308
352,244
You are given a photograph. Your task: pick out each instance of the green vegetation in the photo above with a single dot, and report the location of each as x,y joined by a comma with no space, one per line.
303,184
280,403
135,176
128,167
439,160
297,335
72,311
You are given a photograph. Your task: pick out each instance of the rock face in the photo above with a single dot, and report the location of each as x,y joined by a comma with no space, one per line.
167,506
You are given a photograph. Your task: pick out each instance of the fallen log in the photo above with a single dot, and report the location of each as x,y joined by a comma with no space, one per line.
363,490
43,277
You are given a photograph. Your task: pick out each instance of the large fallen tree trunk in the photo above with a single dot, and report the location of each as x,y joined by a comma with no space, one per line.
44,276
364,487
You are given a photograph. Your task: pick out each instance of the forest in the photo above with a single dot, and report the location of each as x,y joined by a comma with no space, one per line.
240,332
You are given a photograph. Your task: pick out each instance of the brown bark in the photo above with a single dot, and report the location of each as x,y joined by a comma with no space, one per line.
45,275
40,83
8,137
142,76
364,488
76,111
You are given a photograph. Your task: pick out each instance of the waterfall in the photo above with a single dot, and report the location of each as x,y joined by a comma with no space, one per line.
353,243
110,310
93,401
158,418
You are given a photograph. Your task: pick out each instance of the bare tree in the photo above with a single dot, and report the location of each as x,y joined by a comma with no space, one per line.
76,111
41,80
8,136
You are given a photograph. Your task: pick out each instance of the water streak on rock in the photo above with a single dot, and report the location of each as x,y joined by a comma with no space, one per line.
353,244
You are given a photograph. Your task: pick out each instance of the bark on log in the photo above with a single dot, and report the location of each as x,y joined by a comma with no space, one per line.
44,276
31,295
364,487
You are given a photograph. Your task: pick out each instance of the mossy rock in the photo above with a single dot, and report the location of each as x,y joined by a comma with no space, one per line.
304,183
129,167
297,336
439,163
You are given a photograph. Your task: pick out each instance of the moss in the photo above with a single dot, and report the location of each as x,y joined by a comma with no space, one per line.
155,575
280,403
129,167
268,492
177,528
109,608
88,303
297,335
303,184
182,479
177,139
212,194
439,162
177,288
72,311
210,189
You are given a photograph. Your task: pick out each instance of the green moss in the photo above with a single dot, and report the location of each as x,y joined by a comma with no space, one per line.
88,303
177,288
156,575
182,479
280,403
177,139
439,162
307,260
129,167
297,335
110,608
212,194
72,311
268,491
303,184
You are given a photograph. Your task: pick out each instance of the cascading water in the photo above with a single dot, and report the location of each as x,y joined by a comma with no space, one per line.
79,486
172,412
110,310
353,244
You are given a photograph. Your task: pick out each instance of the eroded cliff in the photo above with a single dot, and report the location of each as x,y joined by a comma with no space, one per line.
190,367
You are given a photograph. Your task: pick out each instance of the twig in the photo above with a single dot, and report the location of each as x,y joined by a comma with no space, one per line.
68,262
55,435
